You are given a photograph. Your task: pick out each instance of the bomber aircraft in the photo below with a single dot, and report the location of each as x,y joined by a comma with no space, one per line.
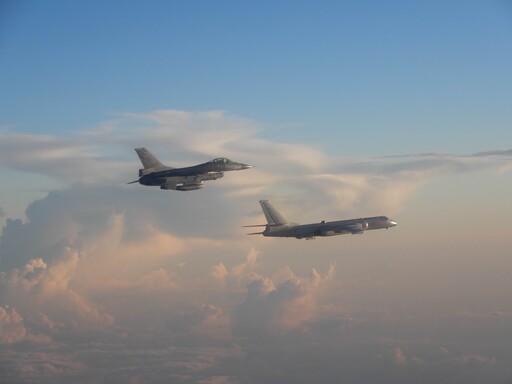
277,226
182,179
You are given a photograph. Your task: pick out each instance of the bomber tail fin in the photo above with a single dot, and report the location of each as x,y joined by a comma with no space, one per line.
148,160
274,219
271,214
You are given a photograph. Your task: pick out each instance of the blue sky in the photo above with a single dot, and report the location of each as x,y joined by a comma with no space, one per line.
345,109
364,76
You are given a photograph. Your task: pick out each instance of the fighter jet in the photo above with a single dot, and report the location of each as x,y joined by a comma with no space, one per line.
182,179
277,226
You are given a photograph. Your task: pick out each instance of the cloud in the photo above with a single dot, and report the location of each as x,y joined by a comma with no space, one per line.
85,253
104,281
398,356
41,367
485,316
154,304
58,157
82,213
44,294
238,276
303,174
476,360
268,308
218,380
11,326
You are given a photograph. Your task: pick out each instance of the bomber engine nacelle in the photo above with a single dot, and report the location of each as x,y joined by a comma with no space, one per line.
359,228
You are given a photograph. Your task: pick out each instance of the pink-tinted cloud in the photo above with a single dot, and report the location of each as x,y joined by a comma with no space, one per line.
268,308
399,357
11,326
161,285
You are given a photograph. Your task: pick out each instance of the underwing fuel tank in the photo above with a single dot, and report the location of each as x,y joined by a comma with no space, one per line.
213,176
189,187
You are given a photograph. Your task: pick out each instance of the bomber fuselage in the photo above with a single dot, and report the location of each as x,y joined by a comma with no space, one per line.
329,228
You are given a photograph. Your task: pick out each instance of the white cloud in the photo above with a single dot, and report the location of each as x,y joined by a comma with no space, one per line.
71,159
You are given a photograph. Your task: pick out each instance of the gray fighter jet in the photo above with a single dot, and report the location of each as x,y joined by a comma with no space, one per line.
182,179
277,226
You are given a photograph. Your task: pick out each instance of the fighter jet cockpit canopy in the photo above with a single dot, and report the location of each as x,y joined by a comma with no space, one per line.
220,160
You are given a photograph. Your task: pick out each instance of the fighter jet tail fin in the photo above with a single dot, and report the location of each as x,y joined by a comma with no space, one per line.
271,214
149,160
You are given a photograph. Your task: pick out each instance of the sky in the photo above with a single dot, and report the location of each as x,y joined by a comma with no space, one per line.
345,109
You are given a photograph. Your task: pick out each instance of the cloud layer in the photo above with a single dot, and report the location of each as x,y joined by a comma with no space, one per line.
106,282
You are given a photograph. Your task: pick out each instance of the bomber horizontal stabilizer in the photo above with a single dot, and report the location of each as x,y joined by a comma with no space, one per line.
262,225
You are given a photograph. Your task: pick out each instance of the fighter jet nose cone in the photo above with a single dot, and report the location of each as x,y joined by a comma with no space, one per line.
392,223
246,166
